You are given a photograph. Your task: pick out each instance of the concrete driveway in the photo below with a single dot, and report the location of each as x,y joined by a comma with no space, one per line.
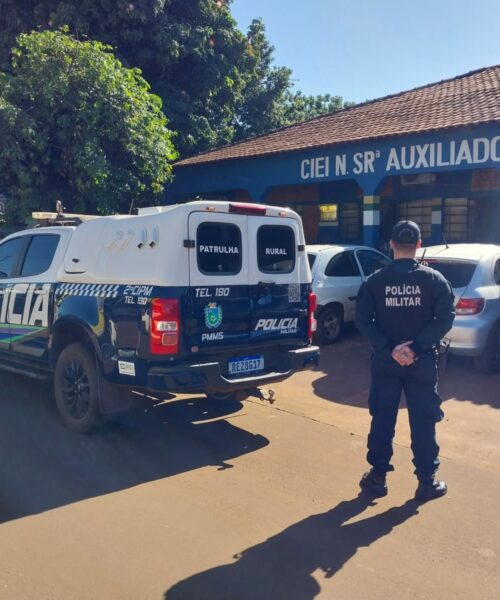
192,500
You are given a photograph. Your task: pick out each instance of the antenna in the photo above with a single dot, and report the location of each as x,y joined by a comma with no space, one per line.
444,240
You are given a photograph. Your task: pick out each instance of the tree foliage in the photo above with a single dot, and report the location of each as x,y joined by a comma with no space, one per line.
269,100
190,51
216,83
76,125
300,107
263,106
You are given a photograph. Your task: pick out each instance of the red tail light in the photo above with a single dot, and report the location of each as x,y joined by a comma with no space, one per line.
311,320
165,326
247,209
469,306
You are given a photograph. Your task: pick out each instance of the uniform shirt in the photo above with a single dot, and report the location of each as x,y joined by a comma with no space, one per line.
402,302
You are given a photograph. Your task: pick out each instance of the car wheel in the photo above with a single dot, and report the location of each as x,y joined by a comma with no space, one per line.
76,388
330,325
238,396
489,360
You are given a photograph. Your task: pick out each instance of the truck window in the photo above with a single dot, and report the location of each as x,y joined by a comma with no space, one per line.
276,249
218,248
39,255
9,254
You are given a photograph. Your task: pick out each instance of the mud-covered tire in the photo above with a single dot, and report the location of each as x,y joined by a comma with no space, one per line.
330,325
76,388
488,361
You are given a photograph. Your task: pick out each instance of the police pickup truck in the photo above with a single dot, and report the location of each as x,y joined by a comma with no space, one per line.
204,297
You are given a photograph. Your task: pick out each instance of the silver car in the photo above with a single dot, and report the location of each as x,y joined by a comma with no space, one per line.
337,273
473,271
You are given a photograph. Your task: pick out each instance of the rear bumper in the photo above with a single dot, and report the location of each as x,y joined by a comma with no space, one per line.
207,377
468,335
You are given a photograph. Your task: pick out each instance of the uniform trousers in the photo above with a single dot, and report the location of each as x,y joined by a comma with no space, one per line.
419,384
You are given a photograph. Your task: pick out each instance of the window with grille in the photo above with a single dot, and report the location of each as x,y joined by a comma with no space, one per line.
419,211
328,213
457,219
350,220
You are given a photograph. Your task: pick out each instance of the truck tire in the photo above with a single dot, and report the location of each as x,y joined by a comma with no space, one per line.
488,361
330,325
76,388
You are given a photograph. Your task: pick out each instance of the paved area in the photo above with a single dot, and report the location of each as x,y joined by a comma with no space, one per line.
191,500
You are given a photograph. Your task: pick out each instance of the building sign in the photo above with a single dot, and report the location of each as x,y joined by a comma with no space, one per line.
394,159
369,163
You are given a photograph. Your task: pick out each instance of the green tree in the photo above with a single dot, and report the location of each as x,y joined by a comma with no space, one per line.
269,101
76,125
263,105
217,84
300,107
190,51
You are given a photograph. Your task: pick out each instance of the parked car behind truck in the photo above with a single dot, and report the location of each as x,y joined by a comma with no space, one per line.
473,271
338,272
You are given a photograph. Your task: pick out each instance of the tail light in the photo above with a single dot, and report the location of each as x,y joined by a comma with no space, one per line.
311,328
469,306
240,208
165,326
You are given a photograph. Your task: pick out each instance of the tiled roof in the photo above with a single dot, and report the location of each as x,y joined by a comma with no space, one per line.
470,99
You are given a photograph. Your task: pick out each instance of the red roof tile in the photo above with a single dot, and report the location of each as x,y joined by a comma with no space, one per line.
470,99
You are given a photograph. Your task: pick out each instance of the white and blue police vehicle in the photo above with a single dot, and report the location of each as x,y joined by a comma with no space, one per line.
204,297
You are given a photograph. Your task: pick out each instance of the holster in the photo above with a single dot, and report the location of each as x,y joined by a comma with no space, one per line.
443,349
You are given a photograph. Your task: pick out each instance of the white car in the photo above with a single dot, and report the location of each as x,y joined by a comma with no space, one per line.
338,272
473,271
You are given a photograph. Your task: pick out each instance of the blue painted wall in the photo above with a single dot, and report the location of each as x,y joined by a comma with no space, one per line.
368,163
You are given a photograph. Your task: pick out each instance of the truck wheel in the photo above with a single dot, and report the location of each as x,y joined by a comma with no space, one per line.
330,325
228,396
489,360
76,388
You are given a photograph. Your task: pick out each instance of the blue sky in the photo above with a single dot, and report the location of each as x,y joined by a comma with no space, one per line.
363,49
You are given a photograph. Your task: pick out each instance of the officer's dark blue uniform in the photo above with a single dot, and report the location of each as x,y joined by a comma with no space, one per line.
399,303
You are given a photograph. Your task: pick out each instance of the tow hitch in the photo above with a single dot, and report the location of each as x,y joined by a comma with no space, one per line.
264,395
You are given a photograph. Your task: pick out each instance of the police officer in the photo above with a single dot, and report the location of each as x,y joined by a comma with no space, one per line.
404,310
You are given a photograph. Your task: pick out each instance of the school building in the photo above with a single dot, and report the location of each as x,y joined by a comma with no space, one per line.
431,154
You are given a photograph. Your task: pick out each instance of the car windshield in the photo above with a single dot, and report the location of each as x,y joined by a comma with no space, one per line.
457,272
311,258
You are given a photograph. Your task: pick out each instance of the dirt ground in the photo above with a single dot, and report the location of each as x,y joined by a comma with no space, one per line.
191,500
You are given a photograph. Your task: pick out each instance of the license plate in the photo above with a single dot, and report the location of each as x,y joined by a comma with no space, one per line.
246,364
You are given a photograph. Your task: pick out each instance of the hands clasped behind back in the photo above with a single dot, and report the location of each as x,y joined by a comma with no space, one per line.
403,354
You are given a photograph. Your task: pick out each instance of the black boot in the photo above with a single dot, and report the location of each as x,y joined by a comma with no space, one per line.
374,482
429,489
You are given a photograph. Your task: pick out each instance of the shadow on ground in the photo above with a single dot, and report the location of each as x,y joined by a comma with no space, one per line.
461,381
346,370
283,565
45,466
346,376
